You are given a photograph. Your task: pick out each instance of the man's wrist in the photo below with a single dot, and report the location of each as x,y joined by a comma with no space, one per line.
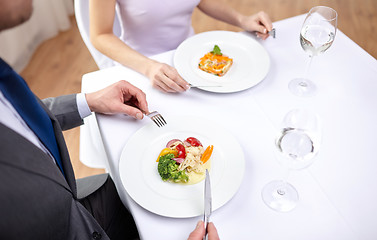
82,105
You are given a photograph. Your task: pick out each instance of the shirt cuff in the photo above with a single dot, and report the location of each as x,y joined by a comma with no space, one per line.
82,105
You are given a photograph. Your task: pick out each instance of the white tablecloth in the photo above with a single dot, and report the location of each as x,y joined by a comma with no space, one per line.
337,193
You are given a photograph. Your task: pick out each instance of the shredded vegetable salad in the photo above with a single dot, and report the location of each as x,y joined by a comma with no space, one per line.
181,159
215,62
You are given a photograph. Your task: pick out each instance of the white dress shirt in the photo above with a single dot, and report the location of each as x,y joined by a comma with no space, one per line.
10,118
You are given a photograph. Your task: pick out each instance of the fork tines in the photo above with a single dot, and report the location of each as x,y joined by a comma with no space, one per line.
157,118
272,33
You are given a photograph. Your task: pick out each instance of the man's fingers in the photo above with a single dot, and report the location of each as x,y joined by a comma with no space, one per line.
212,232
137,96
198,232
131,111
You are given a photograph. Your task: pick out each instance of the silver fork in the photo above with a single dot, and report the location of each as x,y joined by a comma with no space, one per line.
156,118
272,33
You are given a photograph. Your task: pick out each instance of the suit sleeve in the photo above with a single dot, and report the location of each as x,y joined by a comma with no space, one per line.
64,108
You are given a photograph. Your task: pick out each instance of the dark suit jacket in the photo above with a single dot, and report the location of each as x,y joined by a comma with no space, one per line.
36,201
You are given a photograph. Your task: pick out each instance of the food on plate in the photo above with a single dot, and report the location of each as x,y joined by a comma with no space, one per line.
215,62
168,169
207,154
184,161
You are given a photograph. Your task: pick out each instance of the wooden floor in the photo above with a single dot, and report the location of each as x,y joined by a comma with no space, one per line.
58,64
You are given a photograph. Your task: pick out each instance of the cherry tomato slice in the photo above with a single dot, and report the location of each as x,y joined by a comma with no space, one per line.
181,151
194,142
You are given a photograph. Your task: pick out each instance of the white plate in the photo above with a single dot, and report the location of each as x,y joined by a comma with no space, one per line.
251,61
140,178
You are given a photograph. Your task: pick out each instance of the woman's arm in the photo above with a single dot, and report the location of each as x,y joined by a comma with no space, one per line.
217,9
162,76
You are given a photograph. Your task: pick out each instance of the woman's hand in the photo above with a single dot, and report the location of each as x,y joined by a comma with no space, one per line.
260,23
166,78
120,97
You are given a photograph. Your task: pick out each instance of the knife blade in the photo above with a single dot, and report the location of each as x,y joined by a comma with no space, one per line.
207,203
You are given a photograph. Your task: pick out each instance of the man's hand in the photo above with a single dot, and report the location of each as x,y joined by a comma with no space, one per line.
120,97
200,231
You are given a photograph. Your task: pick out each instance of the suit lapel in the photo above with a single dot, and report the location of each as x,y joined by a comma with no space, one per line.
20,153
64,154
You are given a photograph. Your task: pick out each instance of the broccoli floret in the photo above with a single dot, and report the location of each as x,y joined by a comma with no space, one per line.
168,169
179,176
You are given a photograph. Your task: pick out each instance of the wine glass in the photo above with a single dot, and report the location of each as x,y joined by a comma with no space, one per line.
317,35
296,145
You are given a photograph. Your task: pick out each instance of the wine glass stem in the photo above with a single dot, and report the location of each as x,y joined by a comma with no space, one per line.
282,189
309,63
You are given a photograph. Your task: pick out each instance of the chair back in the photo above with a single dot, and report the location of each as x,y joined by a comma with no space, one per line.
82,19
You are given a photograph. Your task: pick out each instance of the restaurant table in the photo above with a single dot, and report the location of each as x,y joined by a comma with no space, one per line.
337,193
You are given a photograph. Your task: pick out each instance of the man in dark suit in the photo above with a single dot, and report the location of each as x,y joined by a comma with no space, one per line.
39,195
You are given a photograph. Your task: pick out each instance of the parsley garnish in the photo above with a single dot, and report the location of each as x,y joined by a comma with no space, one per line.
216,50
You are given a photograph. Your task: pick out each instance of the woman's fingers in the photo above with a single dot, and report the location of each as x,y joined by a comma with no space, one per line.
167,79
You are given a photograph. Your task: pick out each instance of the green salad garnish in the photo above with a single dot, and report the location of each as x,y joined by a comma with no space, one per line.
216,50
168,169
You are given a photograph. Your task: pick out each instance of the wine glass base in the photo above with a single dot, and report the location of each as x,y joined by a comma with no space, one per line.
280,196
302,87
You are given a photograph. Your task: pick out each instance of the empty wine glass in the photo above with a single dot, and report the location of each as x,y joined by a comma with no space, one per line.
296,145
317,35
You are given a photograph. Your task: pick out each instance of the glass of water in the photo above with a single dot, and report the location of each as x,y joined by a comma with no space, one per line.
317,35
296,145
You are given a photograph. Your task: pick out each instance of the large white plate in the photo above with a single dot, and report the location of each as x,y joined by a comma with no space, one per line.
251,61
140,178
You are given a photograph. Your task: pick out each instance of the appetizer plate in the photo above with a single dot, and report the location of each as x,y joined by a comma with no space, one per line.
251,61
140,178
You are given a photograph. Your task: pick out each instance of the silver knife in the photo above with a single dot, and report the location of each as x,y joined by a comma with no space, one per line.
207,203
201,86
